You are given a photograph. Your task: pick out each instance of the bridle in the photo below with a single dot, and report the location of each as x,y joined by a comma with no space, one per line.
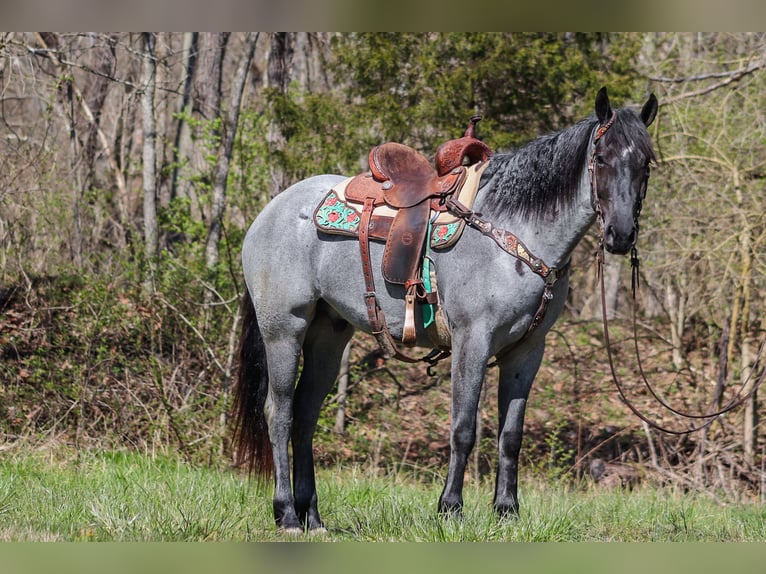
708,418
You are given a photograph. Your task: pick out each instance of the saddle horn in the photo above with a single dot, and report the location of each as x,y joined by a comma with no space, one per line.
451,154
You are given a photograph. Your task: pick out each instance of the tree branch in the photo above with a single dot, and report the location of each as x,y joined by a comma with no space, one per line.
119,179
730,78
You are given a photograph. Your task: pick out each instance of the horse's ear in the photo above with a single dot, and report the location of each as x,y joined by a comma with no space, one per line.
649,111
603,108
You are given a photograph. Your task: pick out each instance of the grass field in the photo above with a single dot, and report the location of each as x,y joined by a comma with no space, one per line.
130,497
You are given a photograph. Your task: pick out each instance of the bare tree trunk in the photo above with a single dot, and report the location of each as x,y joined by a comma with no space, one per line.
675,301
750,426
723,366
612,269
190,47
206,96
340,416
225,150
149,158
212,51
591,307
302,60
104,56
280,60
742,304
77,240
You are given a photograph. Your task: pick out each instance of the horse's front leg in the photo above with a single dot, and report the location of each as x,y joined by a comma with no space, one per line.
517,371
469,362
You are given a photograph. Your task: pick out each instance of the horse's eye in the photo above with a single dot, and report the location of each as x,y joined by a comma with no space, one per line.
600,160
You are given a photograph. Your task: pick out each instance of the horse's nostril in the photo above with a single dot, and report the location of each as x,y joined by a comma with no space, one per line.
610,231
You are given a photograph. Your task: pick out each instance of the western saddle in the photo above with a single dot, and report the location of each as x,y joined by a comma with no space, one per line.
397,202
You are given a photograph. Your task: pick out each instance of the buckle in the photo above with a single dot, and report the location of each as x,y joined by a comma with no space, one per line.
552,277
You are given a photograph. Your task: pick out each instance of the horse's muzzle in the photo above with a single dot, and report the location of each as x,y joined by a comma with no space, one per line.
618,241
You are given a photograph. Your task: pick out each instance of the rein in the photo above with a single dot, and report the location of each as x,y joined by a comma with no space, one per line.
737,401
634,264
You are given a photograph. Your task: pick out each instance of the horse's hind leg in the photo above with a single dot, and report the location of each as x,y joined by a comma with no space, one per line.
283,355
322,350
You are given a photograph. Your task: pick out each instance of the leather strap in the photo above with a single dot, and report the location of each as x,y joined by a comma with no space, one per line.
370,298
507,241
374,312
546,298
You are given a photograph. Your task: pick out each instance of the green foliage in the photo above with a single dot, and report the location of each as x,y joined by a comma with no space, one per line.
100,362
560,456
319,133
422,88
177,221
249,176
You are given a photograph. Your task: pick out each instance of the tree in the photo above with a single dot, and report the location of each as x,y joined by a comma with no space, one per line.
279,66
419,88
225,149
709,230
149,157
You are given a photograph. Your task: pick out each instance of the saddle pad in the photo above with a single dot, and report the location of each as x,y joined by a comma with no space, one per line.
339,216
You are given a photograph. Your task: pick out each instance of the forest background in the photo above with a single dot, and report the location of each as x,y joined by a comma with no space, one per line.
132,165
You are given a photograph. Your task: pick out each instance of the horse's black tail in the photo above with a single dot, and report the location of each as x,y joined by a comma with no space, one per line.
252,446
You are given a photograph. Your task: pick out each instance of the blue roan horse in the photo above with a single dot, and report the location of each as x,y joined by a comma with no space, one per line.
306,289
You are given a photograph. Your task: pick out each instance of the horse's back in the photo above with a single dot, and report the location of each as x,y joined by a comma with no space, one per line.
297,202
288,215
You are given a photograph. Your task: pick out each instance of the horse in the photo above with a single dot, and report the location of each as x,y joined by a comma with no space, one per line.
304,298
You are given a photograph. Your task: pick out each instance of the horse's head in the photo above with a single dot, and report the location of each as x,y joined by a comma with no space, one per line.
619,165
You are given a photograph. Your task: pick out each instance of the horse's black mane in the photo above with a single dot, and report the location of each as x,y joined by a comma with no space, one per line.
543,176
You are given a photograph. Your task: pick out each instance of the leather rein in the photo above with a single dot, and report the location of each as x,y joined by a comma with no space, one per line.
708,418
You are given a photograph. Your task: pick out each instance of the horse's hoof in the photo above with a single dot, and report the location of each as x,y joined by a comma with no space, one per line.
319,531
291,531
507,511
451,508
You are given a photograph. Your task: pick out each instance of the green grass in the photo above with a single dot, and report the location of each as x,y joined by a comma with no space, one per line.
131,497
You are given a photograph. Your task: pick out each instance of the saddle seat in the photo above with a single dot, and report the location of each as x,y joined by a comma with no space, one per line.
403,179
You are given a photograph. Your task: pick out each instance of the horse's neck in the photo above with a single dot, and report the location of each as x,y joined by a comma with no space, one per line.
553,234
556,239
551,238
